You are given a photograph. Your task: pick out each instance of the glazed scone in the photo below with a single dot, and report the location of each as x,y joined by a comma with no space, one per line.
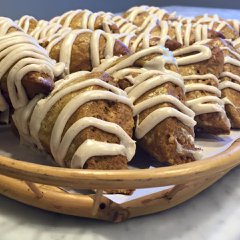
86,122
164,125
82,50
201,65
85,19
25,67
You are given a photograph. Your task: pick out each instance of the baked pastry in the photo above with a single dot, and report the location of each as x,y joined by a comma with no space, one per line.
83,49
25,68
155,58
144,40
142,15
86,122
230,81
124,25
236,44
40,29
186,34
164,125
7,26
200,65
85,19
214,22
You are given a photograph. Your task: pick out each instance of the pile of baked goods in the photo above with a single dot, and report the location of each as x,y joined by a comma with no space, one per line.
88,87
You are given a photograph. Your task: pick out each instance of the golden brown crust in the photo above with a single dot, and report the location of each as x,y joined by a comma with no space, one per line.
32,25
215,123
161,142
34,83
213,65
115,112
141,17
233,112
80,54
76,23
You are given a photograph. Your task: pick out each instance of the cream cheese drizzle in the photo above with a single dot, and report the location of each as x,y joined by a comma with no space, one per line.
124,25
43,28
204,53
59,142
69,38
147,81
6,24
156,63
204,104
158,116
236,62
24,22
88,19
160,13
19,55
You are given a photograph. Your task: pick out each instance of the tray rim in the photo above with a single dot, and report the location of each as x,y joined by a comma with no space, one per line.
115,179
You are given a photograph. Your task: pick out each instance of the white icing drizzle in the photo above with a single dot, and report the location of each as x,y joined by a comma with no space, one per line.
202,87
160,13
68,40
236,43
145,81
230,75
158,116
92,148
88,19
149,24
202,77
6,24
210,21
204,53
19,55
236,62
148,81
127,72
124,25
153,11
140,41
24,22
43,31
235,23
183,32
59,142
157,63
204,104
228,84
21,118
43,28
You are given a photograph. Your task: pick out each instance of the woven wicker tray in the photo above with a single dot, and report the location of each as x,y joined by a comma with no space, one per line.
38,185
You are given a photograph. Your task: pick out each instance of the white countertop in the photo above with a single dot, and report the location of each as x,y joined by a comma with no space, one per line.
212,215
